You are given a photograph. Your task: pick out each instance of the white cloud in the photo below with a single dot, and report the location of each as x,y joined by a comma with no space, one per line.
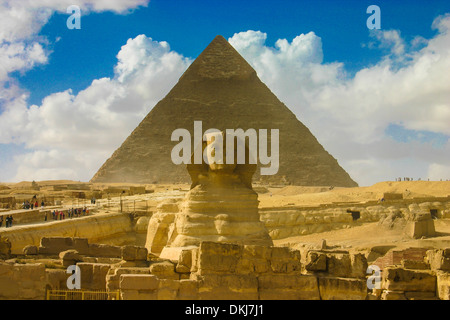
20,23
74,134
349,116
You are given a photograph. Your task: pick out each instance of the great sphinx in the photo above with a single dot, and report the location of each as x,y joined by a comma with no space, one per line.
221,204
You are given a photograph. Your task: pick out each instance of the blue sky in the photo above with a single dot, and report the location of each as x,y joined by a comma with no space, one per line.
60,65
189,26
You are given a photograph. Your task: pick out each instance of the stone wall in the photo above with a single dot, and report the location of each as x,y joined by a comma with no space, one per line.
217,271
22,281
110,229
290,221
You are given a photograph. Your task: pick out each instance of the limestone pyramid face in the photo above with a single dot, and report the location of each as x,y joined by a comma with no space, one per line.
223,91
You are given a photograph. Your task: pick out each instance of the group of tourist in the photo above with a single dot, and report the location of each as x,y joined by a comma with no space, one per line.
32,205
73,212
8,221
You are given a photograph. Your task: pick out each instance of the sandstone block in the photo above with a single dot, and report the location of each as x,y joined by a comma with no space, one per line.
421,228
56,278
30,250
5,246
342,289
164,270
255,259
184,262
138,295
358,265
138,282
54,245
285,260
316,261
398,279
168,289
70,257
438,259
227,287
188,290
81,245
339,265
288,287
133,253
105,250
113,276
215,257
443,285
93,275
414,264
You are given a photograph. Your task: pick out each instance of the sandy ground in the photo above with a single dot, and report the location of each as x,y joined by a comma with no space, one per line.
307,196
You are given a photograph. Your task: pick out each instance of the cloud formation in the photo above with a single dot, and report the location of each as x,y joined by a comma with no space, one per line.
72,135
349,116
20,23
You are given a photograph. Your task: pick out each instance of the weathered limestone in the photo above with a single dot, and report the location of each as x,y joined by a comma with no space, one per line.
164,270
114,275
5,247
133,253
113,229
332,288
316,261
93,275
403,280
439,259
139,287
30,250
160,225
288,287
69,257
443,285
221,206
421,225
24,281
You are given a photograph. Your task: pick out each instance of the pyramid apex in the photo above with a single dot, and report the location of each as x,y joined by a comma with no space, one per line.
220,60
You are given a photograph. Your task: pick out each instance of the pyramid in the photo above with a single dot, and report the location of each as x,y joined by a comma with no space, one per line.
224,92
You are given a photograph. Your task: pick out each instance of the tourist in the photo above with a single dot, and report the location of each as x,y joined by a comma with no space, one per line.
42,204
32,205
45,217
36,204
7,222
1,221
10,220
53,214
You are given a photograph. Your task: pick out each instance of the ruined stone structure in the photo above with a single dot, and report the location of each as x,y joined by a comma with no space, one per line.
224,92
413,215
215,271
